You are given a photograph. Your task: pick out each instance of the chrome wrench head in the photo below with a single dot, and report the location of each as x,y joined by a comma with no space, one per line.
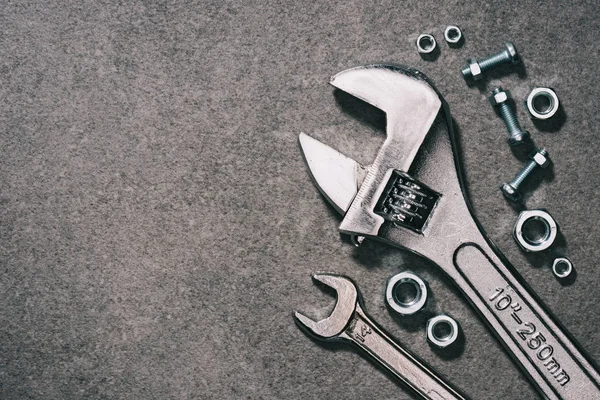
334,325
411,106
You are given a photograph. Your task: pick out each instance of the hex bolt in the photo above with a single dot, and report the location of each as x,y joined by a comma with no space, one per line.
475,69
511,189
500,99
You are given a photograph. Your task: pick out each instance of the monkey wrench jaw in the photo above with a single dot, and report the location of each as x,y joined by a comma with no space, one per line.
413,196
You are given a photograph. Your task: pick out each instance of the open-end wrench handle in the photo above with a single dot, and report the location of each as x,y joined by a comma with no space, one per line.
413,372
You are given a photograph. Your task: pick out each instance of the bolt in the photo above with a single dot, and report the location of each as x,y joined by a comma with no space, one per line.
511,189
475,69
500,99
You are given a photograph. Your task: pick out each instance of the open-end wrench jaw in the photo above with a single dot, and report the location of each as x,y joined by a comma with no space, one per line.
334,325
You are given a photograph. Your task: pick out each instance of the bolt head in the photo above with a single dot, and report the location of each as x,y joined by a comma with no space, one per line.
475,69
499,96
541,158
510,192
517,139
512,52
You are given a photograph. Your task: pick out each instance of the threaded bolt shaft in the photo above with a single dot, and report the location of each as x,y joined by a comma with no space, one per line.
466,71
509,118
494,60
528,169
523,174
475,69
516,135
511,189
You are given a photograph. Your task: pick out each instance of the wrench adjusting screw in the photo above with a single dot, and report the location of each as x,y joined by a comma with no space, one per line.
500,99
475,69
511,189
406,293
442,331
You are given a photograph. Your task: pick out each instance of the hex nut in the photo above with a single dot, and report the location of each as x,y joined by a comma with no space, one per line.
562,267
542,103
546,237
452,34
442,331
501,97
426,43
541,159
406,293
475,69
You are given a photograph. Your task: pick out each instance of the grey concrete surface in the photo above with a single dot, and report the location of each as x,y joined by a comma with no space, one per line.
158,224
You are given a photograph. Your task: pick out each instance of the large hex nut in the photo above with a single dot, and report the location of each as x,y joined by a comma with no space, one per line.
442,331
527,230
501,97
542,103
406,293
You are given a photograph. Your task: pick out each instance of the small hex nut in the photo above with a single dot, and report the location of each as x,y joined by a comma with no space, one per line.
562,267
442,331
426,43
541,159
452,34
501,97
542,240
475,69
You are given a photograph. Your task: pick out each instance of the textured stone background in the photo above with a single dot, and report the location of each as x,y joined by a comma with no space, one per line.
158,224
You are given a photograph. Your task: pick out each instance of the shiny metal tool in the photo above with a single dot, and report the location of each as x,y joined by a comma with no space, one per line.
412,196
349,322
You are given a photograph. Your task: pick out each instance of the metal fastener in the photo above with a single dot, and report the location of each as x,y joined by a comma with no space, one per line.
500,100
542,103
442,331
511,189
406,293
562,267
453,35
475,69
426,43
535,230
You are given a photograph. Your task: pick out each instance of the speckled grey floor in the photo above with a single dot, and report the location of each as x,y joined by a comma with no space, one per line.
158,224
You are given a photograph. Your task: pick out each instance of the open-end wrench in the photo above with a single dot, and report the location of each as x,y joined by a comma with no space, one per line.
412,196
348,321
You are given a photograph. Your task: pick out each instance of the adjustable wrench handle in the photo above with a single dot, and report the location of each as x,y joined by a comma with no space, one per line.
413,372
546,353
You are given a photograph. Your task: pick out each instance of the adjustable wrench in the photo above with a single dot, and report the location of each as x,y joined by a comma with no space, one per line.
349,322
413,196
